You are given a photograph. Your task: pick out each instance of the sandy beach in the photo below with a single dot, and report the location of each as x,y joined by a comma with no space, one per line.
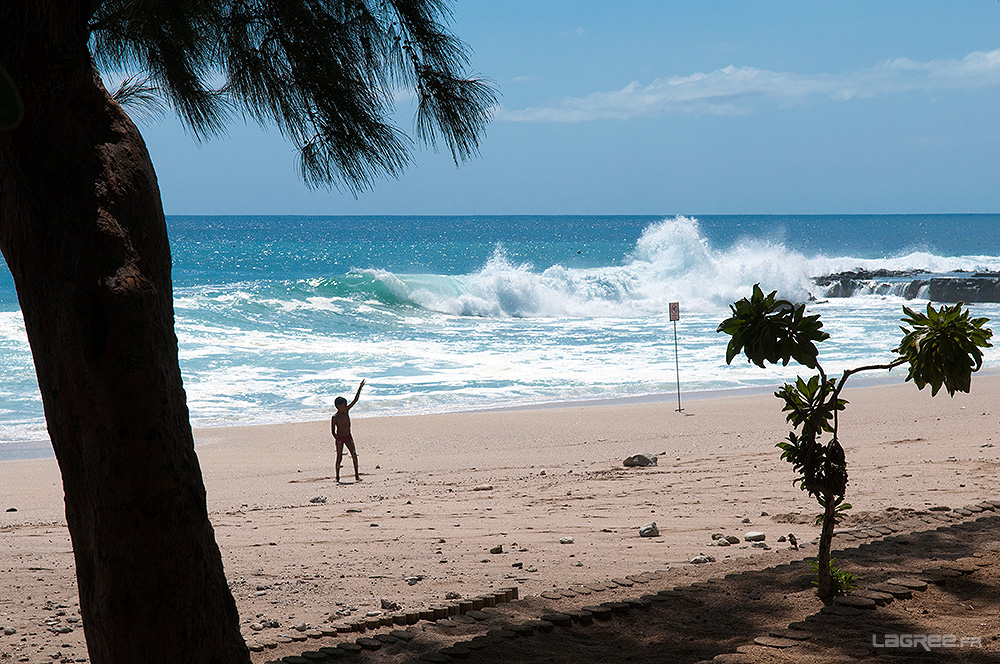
544,489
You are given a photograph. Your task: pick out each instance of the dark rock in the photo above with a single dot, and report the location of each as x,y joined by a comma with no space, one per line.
640,460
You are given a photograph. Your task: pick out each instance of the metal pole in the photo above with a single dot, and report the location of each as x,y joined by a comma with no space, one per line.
677,366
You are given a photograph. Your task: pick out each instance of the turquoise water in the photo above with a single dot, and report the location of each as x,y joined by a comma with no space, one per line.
277,316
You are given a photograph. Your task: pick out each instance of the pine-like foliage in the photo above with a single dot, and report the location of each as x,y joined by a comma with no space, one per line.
327,73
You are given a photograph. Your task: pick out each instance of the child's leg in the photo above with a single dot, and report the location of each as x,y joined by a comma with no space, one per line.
354,457
340,457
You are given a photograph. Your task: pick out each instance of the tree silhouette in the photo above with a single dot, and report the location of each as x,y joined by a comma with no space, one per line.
83,232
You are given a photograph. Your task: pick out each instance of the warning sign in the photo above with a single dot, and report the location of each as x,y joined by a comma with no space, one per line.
675,311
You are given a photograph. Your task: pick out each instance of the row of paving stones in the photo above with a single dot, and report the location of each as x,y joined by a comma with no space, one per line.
937,517
464,611
898,587
469,612
870,598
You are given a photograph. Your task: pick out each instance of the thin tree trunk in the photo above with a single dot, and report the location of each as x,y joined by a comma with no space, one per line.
82,230
825,543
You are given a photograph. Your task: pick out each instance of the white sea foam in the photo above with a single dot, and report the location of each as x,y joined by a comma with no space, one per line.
671,262
512,332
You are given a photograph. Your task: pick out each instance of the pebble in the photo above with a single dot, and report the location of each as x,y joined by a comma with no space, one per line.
649,530
566,540
483,487
318,499
754,536
700,560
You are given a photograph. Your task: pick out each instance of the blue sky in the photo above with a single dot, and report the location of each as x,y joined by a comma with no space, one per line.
671,107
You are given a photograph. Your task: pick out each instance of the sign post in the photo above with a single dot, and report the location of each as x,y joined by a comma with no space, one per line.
675,315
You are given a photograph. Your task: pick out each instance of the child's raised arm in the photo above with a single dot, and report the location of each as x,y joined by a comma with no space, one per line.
357,395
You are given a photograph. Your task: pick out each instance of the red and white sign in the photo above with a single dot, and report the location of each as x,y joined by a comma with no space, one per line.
675,311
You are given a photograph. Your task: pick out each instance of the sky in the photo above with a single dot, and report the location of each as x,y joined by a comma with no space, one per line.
671,107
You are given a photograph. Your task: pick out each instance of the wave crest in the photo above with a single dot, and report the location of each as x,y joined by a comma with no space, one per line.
671,261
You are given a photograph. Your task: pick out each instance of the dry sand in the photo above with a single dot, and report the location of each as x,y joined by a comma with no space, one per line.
439,492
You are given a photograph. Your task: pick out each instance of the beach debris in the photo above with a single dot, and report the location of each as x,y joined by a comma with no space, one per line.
389,605
483,487
754,536
497,549
702,559
566,540
640,460
649,530
318,499
412,580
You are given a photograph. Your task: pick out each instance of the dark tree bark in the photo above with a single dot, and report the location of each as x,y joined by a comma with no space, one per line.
82,229
825,587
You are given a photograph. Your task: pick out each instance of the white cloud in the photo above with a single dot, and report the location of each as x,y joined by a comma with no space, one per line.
734,90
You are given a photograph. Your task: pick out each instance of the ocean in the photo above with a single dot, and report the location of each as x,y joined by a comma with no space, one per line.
279,315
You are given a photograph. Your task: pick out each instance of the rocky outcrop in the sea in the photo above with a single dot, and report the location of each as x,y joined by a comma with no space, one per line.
910,284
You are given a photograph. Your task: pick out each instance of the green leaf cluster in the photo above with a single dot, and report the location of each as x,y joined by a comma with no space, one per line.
943,348
768,329
811,407
807,405
841,582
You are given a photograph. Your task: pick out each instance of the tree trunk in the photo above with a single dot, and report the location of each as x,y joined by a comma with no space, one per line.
82,229
825,543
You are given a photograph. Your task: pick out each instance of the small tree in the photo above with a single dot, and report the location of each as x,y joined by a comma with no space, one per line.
942,349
